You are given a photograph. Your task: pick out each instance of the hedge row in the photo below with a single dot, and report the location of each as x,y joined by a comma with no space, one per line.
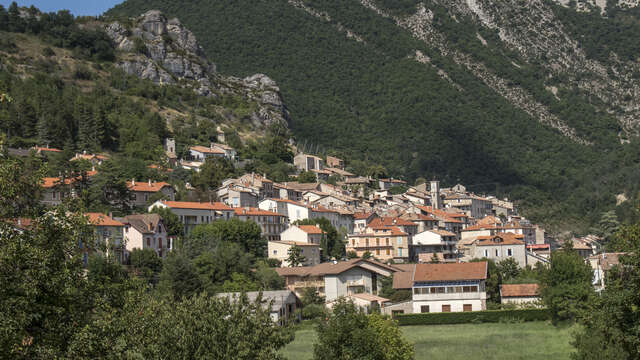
474,317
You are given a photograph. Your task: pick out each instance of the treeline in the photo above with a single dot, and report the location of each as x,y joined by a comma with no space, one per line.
59,29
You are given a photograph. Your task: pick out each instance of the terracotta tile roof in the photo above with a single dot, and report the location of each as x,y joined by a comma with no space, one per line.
254,212
370,297
388,230
518,290
22,223
404,279
40,149
325,172
362,215
490,220
49,182
160,168
146,187
538,246
391,221
100,219
500,239
339,171
450,272
608,260
393,181
197,205
477,227
330,268
206,150
310,229
296,243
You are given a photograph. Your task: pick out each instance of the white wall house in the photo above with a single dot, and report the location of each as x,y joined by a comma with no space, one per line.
146,231
335,280
280,250
434,241
310,234
195,213
452,287
141,192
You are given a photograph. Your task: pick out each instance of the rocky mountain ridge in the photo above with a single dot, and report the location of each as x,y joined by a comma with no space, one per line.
162,50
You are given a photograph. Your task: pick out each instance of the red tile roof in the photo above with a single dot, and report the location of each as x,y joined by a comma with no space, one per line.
100,219
362,215
450,272
39,149
206,150
518,290
500,239
254,212
50,182
310,229
403,279
391,221
197,205
145,187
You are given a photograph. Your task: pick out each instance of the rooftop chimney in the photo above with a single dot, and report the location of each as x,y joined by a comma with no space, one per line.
133,182
149,182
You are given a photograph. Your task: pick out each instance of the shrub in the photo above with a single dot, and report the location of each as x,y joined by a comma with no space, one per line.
314,311
475,317
47,52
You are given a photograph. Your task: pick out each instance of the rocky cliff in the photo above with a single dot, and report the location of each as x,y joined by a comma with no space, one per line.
162,50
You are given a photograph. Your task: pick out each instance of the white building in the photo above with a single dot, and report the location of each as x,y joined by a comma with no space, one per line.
146,231
309,234
271,223
280,250
434,241
283,303
195,213
519,294
452,287
335,280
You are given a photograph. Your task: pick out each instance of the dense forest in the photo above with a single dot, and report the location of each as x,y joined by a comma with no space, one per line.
368,100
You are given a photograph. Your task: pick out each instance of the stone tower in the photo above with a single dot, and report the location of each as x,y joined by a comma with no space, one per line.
436,200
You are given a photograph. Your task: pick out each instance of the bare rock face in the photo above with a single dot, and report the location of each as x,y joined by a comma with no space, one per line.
164,51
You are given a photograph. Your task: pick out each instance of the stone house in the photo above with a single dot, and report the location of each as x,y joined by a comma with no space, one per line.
108,235
142,192
519,294
383,242
499,247
305,162
435,241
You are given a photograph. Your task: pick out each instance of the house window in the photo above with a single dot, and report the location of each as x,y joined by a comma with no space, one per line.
497,252
467,307
148,242
160,242
399,240
424,308
486,253
509,252
399,251
275,252
388,252
377,251
446,308
377,242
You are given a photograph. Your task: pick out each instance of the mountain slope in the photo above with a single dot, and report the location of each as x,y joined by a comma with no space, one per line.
461,90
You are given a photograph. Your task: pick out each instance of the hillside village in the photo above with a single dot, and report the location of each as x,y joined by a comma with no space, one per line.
420,235
153,207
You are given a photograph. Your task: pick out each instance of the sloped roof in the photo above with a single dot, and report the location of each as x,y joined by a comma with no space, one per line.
146,187
391,221
329,268
404,279
295,243
100,219
362,215
143,223
310,229
503,239
197,205
518,290
254,212
370,297
450,272
206,150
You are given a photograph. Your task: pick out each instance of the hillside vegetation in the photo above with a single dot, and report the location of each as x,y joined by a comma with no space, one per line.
436,89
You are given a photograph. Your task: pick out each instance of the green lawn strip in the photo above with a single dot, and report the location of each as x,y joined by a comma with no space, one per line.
531,340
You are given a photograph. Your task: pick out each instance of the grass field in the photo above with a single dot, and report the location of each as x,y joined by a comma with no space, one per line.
534,340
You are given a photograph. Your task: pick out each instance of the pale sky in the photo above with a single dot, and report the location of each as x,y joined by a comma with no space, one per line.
77,7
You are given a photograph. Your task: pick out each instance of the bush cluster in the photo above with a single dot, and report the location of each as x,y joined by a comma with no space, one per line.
474,317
